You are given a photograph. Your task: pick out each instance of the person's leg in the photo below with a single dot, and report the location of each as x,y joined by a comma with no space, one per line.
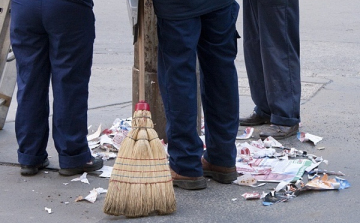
254,63
177,82
280,50
30,46
217,51
71,36
279,25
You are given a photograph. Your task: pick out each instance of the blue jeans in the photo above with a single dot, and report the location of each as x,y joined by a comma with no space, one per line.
272,58
213,39
52,41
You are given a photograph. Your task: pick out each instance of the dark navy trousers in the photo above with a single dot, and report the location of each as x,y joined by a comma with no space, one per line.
53,42
213,39
272,58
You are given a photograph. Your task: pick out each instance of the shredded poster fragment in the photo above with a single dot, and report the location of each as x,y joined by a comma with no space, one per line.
247,133
303,137
251,196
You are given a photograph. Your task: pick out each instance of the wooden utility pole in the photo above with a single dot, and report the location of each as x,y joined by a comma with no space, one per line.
7,70
152,92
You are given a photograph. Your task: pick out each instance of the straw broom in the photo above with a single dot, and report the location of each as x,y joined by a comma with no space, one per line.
141,183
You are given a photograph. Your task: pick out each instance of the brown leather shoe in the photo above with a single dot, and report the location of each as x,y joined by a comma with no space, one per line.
254,119
188,183
220,174
279,131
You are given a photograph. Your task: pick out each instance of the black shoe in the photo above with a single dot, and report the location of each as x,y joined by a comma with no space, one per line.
279,131
32,170
94,164
254,119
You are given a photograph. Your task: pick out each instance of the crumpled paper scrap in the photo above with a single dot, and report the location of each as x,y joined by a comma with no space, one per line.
82,178
247,133
92,196
271,142
247,180
48,210
106,171
250,196
95,134
303,137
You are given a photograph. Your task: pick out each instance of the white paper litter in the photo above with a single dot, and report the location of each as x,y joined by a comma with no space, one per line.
106,171
82,178
245,180
48,210
93,195
95,134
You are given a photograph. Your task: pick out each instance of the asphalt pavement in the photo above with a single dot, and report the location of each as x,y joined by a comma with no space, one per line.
330,63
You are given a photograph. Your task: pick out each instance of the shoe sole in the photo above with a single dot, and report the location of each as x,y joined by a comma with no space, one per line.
279,137
74,171
190,184
254,124
224,178
32,172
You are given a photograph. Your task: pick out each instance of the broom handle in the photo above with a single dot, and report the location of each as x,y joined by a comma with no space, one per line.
141,52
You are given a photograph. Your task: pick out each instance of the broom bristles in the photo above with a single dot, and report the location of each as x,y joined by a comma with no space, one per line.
140,183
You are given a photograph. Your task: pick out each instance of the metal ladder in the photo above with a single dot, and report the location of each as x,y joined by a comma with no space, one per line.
7,69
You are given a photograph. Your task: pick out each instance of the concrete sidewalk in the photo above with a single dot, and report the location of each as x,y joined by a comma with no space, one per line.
330,52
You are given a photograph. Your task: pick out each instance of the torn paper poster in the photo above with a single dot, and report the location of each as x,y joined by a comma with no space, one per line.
251,196
244,168
275,170
82,178
322,183
106,171
92,196
247,133
303,137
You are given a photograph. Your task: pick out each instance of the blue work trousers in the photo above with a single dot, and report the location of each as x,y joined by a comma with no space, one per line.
272,58
213,39
53,42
